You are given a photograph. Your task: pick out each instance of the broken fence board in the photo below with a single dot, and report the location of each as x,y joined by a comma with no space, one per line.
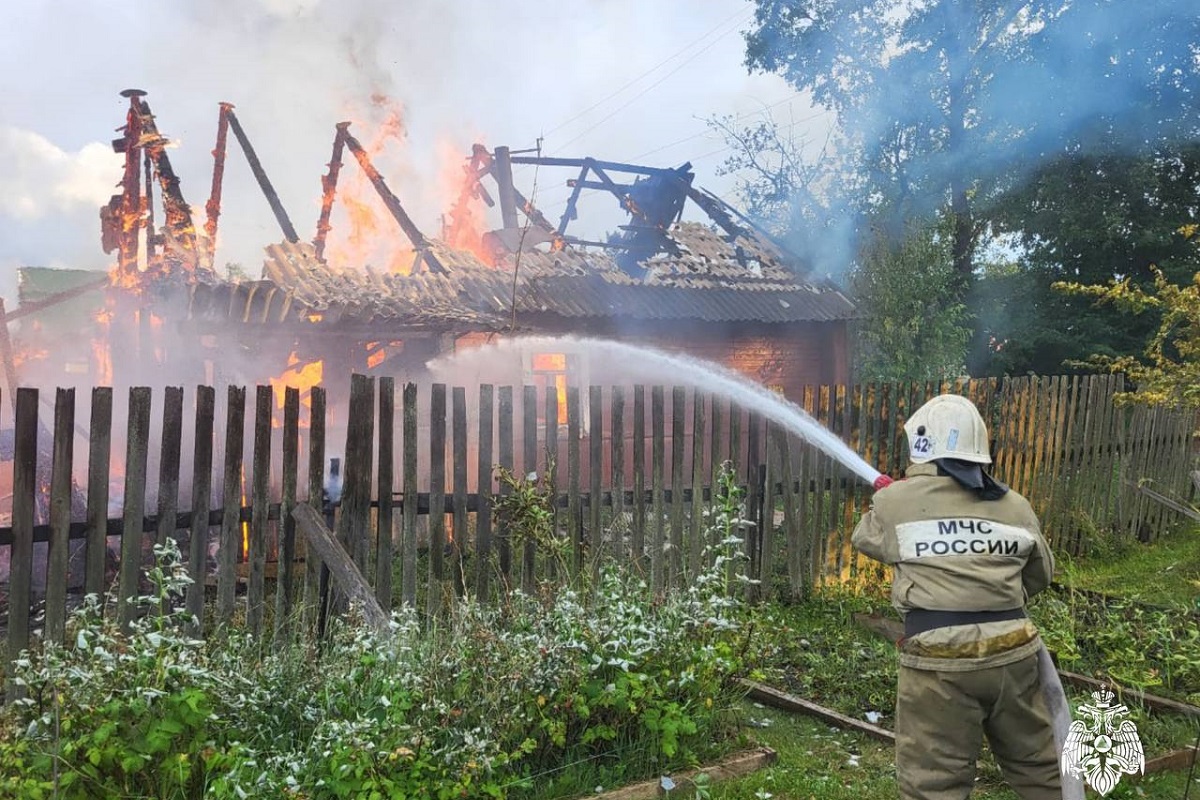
341,567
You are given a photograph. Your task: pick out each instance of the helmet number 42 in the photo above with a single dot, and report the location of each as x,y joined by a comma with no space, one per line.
921,445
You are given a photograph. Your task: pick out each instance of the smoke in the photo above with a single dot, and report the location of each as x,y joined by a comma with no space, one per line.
458,72
980,95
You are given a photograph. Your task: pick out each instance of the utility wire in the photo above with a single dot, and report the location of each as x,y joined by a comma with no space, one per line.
649,88
741,15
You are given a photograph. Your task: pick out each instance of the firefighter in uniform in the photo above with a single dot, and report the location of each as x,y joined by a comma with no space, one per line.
967,553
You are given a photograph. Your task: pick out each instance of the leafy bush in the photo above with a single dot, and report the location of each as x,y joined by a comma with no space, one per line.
483,702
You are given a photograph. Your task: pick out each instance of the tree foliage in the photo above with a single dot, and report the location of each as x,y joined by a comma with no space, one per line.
908,331
1169,370
1062,125
1087,219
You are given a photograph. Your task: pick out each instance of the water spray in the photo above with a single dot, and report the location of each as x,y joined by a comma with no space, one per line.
626,363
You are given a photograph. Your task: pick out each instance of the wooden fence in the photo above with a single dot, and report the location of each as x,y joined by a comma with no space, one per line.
634,468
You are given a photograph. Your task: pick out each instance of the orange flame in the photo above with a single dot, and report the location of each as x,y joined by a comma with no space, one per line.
366,234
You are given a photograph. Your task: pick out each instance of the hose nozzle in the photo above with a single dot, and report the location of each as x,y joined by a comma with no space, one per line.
882,482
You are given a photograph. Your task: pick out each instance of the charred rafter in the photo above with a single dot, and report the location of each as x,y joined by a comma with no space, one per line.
228,121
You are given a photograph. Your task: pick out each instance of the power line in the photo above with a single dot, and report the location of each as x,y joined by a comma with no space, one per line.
649,88
741,15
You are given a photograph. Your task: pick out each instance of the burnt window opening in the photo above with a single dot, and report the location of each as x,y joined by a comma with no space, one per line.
557,371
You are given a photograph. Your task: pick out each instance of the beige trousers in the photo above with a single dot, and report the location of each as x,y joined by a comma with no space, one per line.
941,718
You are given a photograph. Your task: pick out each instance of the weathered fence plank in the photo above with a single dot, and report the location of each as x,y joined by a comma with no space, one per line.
408,541
459,541
595,474
285,588
313,569
574,503
25,451
617,464
658,432
678,426
134,504
483,513
437,496
99,444
260,499
202,464
638,540
60,515
230,542
168,462
507,456
384,492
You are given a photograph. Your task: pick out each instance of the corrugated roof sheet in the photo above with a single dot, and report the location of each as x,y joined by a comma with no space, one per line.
708,279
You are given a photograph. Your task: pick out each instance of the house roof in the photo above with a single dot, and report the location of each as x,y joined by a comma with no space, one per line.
706,278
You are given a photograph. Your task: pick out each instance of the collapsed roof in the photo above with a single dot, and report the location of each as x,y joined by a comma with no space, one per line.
657,268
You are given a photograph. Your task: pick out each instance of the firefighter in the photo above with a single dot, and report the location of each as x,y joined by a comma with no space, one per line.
967,554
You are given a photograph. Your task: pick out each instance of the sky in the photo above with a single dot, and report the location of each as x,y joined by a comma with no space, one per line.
624,80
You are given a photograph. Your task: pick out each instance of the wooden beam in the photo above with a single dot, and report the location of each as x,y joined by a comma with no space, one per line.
25,309
788,702
1153,701
341,567
734,766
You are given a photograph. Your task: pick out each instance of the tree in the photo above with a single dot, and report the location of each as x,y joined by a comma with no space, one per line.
1086,219
907,330
1169,371
946,105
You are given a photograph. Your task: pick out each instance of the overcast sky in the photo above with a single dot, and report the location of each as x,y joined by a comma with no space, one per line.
616,79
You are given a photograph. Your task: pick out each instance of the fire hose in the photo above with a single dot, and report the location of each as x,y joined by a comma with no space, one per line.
1052,693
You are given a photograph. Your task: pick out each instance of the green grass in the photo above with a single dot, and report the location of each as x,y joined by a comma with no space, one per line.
1164,573
815,762
816,650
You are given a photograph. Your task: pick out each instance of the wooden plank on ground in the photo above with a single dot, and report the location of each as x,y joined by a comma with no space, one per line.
1136,695
789,702
202,463
99,453
60,515
408,538
734,766
134,505
260,501
230,544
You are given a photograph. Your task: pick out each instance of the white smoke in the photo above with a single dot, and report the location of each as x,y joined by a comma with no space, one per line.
505,73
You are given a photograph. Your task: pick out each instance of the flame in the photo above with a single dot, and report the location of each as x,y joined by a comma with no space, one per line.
366,234
302,376
378,356
464,228
553,367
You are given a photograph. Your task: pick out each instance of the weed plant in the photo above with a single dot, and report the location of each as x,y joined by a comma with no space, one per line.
601,681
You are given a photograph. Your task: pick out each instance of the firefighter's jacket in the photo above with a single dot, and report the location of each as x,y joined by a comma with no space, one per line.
951,551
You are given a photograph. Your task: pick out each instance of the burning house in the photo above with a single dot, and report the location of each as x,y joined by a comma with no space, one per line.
686,273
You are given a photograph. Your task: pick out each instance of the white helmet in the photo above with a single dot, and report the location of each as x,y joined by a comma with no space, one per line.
948,426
